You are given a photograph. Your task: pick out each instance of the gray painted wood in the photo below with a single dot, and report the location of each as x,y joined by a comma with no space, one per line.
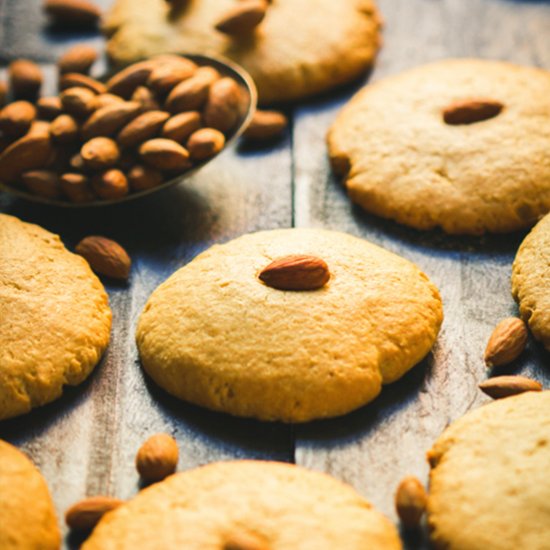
85,443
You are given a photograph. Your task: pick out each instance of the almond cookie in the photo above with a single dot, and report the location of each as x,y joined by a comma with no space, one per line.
531,281
55,319
489,483
246,505
217,335
28,514
458,144
296,51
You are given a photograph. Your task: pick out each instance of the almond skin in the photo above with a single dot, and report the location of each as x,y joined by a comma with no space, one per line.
102,100
141,178
126,81
78,59
100,153
3,93
205,143
71,13
77,80
223,106
76,187
471,110
108,120
265,125
242,18
49,107
165,154
85,514
181,126
78,102
296,272
167,75
43,183
506,343
244,540
142,128
157,457
110,185
64,130
505,386
192,93
25,78
105,257
410,502
30,152
16,118
146,99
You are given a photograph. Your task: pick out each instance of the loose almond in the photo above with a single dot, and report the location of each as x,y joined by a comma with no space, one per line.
506,343
142,128
100,153
43,183
25,78
49,107
16,118
505,386
141,178
84,515
410,502
165,154
77,80
126,81
192,93
110,185
181,126
223,106
71,13
205,143
244,540
265,125
471,110
78,102
30,152
105,257
296,272
242,18
108,120
78,59
157,457
76,187
64,130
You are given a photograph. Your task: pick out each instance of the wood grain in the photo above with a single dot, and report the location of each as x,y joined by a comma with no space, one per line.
85,443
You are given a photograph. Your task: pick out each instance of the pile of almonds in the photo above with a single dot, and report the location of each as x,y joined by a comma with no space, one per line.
148,123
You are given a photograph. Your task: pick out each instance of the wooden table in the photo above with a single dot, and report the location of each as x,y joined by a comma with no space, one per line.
85,443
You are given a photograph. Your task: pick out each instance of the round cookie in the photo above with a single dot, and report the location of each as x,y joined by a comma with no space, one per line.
273,505
297,51
531,281
401,160
215,335
28,515
489,483
55,319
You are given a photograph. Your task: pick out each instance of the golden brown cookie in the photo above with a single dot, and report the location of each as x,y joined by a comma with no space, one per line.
28,520
298,50
268,505
489,483
55,319
531,281
215,335
401,160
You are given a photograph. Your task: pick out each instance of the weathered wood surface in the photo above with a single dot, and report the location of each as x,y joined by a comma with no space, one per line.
85,442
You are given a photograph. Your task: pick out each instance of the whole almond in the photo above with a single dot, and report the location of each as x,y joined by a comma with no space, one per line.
78,59
410,501
506,343
64,130
71,13
205,143
78,102
126,81
296,272
85,514
165,154
16,118
265,125
108,120
167,75
471,110
49,107
43,183
77,163
105,256
505,386
76,187
146,99
39,128
110,185
30,152
141,178
223,106
102,100
244,540
100,153
25,78
242,18
3,93
142,128
77,80
181,126
157,457
192,93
